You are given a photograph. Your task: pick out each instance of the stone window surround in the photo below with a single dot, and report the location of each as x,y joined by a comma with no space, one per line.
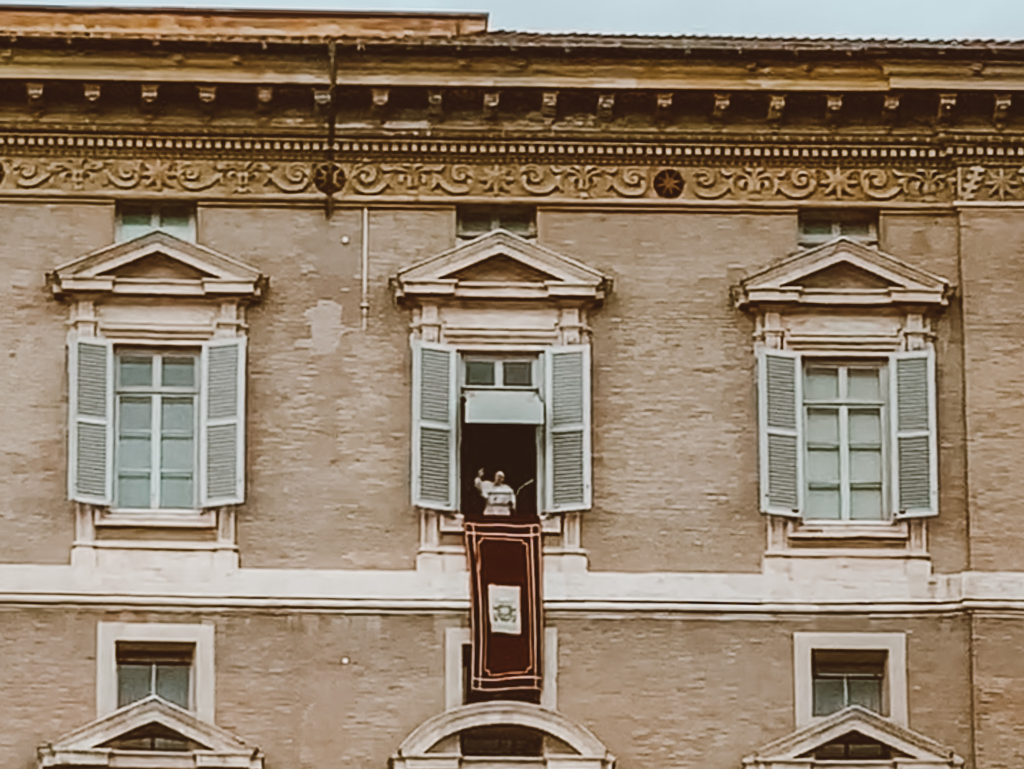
895,684
158,313
201,683
497,317
843,324
455,638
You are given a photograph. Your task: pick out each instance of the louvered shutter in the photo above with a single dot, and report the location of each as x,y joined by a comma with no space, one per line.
567,446
780,428
434,416
90,433
222,431
914,456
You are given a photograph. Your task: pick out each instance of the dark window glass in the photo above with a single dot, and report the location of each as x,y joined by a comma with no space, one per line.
517,373
480,372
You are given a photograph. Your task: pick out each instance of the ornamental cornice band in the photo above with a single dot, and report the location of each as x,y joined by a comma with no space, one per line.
652,181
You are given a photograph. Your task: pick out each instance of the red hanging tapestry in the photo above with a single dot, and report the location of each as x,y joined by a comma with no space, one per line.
506,612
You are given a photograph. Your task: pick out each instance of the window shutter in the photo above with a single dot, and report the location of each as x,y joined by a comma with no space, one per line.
914,454
90,423
567,438
222,423
780,423
434,416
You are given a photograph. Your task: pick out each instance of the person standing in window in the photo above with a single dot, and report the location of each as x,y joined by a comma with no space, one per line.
498,496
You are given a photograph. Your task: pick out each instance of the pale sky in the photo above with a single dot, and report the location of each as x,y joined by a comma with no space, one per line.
935,19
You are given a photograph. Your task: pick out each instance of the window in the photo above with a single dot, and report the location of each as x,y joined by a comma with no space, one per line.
843,678
817,227
844,419
145,669
848,440
135,219
526,415
835,670
174,661
156,415
473,221
157,430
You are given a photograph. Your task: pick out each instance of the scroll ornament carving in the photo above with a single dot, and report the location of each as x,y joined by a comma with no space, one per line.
991,184
354,178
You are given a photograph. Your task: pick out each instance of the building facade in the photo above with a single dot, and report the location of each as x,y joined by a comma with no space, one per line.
738,320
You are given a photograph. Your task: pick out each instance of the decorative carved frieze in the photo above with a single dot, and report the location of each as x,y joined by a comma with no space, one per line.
397,169
524,180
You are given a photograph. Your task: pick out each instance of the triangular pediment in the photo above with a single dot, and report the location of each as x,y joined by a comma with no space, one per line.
157,263
152,717
843,272
858,725
501,265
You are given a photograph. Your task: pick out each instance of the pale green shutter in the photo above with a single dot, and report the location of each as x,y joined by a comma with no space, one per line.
567,429
915,458
780,427
90,422
222,430
434,418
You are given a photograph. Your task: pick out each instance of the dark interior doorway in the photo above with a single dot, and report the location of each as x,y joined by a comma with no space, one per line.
509,448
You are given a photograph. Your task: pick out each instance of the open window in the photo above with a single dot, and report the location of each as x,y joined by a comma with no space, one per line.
527,416
501,380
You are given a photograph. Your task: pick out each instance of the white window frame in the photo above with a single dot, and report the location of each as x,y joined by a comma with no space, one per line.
156,209
894,685
836,218
496,219
455,638
157,393
201,682
882,365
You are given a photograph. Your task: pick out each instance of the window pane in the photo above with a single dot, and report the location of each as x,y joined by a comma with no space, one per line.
133,454
823,504
134,415
862,384
828,696
823,466
821,384
177,454
866,692
133,490
179,372
865,466
822,427
178,416
479,372
132,683
176,492
172,683
176,220
819,228
855,229
135,370
517,373
474,221
865,428
134,221
866,504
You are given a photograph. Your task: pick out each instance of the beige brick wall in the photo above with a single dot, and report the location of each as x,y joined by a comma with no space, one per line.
929,241
999,671
36,523
660,692
674,401
328,483
993,284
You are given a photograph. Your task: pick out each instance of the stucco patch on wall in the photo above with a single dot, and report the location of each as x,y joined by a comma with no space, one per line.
325,329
